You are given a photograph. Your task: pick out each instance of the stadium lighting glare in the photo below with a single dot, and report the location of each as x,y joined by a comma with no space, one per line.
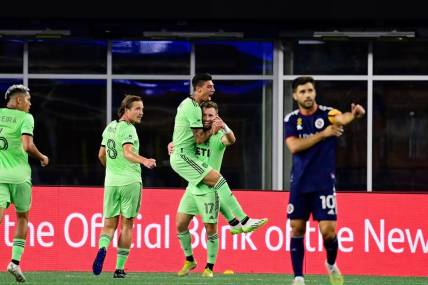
365,34
193,35
36,33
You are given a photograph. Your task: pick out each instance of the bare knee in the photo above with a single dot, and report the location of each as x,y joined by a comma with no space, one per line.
328,229
211,229
298,228
110,225
127,223
182,222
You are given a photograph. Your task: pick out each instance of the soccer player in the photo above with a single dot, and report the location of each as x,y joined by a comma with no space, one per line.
201,199
188,131
16,142
311,135
122,186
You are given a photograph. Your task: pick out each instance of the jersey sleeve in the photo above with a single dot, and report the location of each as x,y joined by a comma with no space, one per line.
128,135
193,114
290,127
28,125
104,138
218,140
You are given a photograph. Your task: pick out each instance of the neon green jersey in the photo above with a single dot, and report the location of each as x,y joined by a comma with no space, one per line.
119,170
14,167
189,116
210,152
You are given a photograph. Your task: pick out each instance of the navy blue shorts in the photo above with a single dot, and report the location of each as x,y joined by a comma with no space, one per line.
321,204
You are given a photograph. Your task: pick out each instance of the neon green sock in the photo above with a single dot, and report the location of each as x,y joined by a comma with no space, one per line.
18,248
186,243
228,199
212,248
122,256
226,212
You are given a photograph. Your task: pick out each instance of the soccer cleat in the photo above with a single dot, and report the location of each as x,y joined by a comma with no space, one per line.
298,280
236,229
119,273
208,273
335,276
97,266
253,224
15,270
187,266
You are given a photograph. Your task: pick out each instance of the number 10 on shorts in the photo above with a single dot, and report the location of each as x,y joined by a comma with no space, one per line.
329,202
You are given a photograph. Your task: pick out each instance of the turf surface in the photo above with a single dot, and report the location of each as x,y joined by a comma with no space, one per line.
83,278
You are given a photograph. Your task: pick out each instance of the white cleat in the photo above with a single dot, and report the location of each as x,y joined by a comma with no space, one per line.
15,270
334,274
298,280
253,224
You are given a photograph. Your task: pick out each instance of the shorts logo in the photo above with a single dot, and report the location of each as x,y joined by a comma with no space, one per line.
319,123
290,208
205,165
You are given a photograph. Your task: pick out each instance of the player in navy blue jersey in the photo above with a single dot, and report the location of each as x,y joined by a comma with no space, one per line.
311,135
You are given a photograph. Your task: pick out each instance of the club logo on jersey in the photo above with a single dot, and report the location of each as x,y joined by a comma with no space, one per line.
299,124
319,123
290,208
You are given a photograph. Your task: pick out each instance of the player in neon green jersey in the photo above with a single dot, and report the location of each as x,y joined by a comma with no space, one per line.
188,131
122,186
16,142
202,199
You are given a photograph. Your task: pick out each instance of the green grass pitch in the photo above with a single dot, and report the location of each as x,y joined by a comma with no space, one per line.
86,278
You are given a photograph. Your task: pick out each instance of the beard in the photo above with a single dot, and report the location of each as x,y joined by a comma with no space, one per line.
307,104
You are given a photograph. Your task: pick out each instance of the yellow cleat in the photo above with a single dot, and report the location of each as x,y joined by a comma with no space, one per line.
187,266
334,274
208,273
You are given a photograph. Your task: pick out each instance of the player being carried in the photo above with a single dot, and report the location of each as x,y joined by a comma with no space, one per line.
189,131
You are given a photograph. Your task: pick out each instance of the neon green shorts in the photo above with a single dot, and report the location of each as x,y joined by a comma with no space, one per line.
17,194
206,205
189,167
122,200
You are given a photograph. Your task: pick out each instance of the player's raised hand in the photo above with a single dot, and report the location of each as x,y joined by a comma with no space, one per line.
150,163
333,130
170,148
45,161
217,124
357,110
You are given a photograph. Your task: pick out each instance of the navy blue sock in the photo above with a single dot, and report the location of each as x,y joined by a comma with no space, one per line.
331,247
297,251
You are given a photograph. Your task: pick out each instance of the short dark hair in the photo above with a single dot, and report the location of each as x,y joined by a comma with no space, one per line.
302,80
15,89
200,78
210,104
127,103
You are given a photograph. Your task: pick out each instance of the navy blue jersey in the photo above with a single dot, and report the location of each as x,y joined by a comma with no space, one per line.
314,168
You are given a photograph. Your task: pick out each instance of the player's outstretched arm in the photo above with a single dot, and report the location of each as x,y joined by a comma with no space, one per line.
30,148
130,155
357,112
102,155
